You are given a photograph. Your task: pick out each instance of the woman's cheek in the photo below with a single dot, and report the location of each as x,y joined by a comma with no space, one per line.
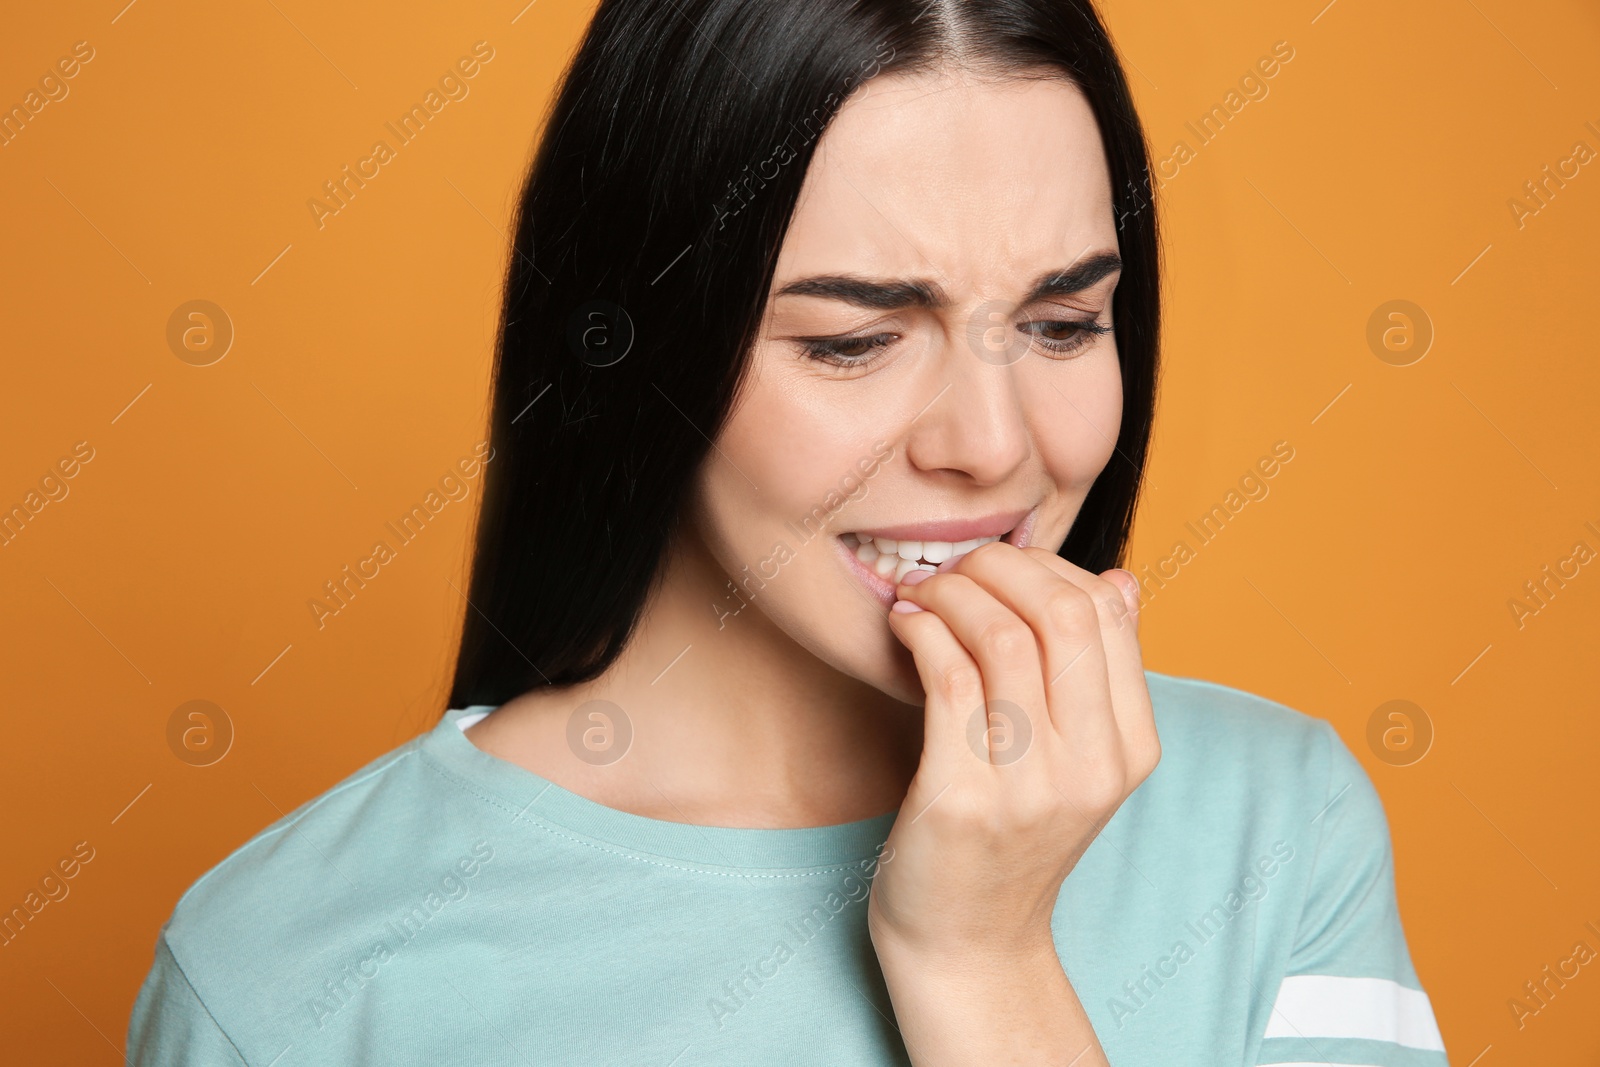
1076,420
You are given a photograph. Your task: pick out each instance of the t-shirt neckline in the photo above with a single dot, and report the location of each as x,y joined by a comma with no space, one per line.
542,801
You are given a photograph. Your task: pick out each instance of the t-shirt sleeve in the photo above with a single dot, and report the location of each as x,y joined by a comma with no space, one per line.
171,1026
1350,994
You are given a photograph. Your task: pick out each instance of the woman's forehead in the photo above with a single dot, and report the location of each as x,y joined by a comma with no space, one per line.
953,176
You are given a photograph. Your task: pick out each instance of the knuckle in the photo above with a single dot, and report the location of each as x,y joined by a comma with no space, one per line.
994,820
963,683
1071,611
1149,757
1103,786
1109,602
967,810
1006,639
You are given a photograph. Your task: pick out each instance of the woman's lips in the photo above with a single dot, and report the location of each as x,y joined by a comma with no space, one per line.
882,587
954,530
1022,534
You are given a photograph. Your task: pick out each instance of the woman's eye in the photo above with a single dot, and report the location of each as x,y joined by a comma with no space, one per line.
1062,336
1058,337
846,351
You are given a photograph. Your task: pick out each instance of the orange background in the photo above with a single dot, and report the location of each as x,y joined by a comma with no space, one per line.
1380,565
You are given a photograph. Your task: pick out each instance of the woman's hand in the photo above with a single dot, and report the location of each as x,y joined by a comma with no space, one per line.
1039,726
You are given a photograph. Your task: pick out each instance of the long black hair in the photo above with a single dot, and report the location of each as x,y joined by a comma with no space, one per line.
645,242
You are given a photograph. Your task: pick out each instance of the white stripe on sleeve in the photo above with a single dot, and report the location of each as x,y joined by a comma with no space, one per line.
1374,1009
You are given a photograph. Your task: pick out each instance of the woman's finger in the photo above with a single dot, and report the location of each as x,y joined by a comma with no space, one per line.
1124,658
1005,650
951,681
1067,624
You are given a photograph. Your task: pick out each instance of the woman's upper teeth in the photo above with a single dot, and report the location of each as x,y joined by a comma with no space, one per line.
900,557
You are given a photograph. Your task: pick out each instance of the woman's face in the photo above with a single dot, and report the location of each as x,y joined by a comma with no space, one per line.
929,370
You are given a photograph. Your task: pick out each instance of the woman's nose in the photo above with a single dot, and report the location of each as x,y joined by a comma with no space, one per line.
975,422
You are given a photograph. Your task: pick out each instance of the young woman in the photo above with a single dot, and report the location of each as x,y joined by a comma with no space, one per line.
800,715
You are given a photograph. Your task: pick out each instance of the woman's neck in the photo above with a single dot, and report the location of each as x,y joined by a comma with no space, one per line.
732,722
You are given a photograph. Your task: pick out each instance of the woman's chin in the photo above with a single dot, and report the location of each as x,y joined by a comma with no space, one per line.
901,681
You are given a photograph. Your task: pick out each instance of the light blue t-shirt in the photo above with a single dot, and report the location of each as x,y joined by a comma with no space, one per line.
443,905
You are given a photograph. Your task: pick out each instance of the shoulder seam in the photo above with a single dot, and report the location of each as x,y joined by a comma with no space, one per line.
166,947
289,821
1329,735
1386,868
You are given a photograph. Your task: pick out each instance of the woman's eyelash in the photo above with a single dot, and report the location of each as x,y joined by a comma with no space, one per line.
835,349
1086,331
847,351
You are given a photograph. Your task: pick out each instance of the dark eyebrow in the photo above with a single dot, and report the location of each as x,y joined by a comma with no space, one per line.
1076,278
864,292
920,293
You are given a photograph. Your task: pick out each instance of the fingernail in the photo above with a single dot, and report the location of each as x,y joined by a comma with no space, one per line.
950,563
1129,584
913,577
904,607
